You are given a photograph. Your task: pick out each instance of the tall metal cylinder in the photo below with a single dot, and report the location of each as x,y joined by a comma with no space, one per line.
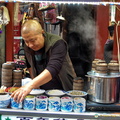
104,89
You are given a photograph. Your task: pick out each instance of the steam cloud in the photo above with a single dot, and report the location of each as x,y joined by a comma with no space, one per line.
80,19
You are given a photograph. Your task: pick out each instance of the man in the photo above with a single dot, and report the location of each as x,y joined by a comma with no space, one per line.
47,60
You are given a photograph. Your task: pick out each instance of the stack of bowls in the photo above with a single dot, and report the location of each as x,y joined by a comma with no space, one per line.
6,74
94,62
102,68
113,67
78,83
17,77
12,63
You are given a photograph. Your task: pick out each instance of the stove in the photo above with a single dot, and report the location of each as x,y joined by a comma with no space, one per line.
93,106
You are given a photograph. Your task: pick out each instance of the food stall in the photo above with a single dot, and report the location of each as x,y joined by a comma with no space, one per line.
102,88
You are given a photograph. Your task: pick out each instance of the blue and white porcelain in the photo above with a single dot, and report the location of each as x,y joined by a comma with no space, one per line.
41,102
66,104
29,103
15,105
79,104
54,104
4,101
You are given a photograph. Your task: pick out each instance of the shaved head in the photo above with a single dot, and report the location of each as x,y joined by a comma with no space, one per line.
31,25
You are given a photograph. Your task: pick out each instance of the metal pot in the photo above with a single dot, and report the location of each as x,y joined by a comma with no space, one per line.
103,89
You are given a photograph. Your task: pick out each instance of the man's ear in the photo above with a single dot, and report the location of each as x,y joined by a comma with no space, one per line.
43,31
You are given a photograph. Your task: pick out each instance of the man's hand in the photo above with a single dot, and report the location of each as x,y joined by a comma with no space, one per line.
21,93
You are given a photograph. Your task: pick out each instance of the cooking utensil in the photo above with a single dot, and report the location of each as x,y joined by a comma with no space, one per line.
103,89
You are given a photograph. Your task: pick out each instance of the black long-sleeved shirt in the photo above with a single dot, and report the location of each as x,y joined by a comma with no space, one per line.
53,65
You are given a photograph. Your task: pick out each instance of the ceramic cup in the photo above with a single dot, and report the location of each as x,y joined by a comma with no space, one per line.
15,105
66,104
54,104
41,102
79,104
29,103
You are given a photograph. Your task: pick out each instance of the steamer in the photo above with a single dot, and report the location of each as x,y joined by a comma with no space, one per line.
103,88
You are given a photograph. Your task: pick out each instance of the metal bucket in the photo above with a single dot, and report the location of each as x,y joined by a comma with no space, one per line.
104,89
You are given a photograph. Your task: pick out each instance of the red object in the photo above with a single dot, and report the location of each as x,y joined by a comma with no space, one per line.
11,89
16,46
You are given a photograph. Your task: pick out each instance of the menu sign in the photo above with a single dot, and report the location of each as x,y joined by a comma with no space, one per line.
8,117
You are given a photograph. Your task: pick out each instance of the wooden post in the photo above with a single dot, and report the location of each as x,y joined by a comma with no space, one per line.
10,33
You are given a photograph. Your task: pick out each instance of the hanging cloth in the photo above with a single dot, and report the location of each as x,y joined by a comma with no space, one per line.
51,17
46,6
16,14
6,17
1,19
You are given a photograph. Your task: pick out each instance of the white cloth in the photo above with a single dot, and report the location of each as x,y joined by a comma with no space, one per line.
16,13
6,17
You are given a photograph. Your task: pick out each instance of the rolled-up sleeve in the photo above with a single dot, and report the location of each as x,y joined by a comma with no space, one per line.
58,53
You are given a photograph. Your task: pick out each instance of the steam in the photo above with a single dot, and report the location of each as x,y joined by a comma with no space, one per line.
83,22
80,20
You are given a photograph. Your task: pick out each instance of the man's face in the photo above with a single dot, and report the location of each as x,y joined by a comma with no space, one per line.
33,40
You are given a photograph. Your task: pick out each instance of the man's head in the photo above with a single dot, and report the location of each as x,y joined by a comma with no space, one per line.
32,34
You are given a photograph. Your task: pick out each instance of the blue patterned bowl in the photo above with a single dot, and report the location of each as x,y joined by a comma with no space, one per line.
4,101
